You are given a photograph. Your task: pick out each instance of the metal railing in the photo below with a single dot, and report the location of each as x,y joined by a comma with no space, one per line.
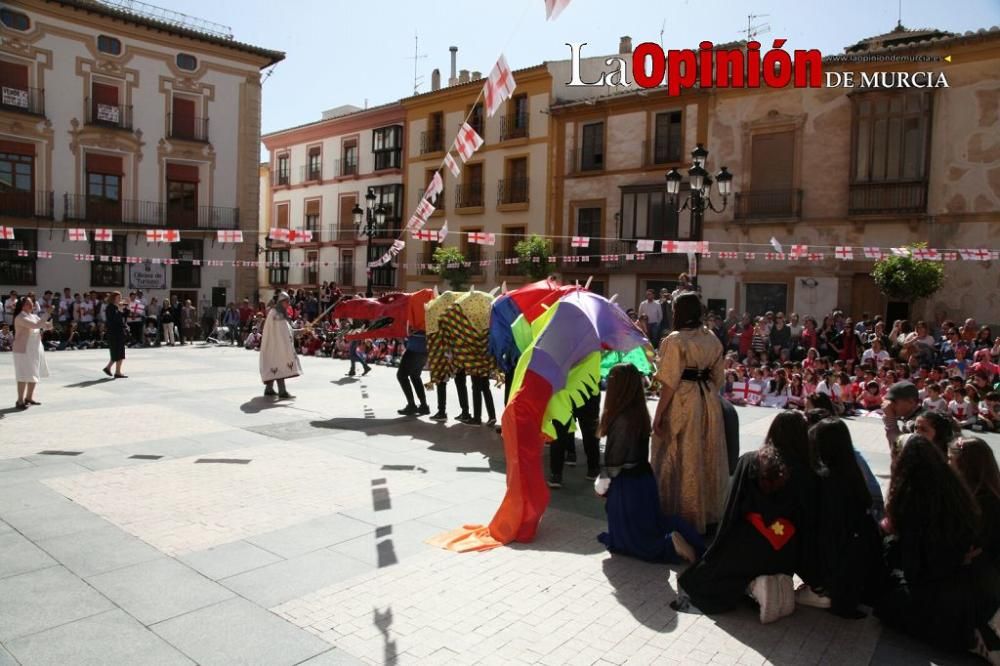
768,203
874,198
512,191
343,167
313,172
281,178
26,203
431,142
23,100
80,207
187,128
586,162
513,126
108,115
469,195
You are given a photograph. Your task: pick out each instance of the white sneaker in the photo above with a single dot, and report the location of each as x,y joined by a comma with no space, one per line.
764,590
683,549
786,594
806,596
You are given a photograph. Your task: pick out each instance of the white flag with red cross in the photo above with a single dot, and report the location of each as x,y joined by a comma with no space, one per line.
7,233
645,245
973,254
103,235
452,165
397,246
815,256
44,254
799,251
424,235
670,247
482,238
170,261
416,223
499,86
749,256
553,8
424,209
278,234
873,253
467,142
926,254
76,234
229,236
949,256
154,235
83,257
434,188
23,253
844,253
580,241
171,236
900,251
133,260
116,260
774,256
443,232
728,254
299,235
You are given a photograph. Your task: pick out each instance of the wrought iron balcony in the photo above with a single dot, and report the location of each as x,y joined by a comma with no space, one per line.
26,204
768,203
469,195
887,198
431,142
108,115
311,173
514,126
187,128
23,100
512,191
133,212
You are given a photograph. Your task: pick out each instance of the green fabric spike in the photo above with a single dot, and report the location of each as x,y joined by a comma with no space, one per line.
583,381
522,333
636,357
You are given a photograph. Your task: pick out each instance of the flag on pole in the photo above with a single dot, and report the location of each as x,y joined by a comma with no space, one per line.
499,86
74,234
103,235
452,165
553,8
443,232
434,188
467,142
580,241
776,245
844,253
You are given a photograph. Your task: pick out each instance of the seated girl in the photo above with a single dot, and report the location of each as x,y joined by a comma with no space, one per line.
941,588
636,525
871,398
975,463
756,550
844,551
776,394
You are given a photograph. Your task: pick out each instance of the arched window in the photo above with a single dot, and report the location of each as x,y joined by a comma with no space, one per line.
109,45
187,61
14,20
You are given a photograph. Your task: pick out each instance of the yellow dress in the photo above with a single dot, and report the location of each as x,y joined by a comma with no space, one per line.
690,463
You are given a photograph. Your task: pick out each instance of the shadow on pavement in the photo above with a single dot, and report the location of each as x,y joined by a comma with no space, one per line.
648,604
90,382
260,403
345,381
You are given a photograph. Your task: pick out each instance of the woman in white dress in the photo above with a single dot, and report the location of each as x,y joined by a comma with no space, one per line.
278,360
29,356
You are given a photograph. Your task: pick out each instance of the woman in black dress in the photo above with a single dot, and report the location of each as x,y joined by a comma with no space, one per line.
118,334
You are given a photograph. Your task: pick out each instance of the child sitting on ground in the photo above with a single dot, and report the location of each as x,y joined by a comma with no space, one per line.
6,338
934,402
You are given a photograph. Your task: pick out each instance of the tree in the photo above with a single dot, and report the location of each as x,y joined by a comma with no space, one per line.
450,264
533,256
906,278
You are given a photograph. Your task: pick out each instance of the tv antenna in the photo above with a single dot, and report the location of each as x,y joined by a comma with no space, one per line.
663,27
755,29
417,56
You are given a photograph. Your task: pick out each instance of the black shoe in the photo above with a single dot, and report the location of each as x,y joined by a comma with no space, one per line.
490,423
472,422
20,405
107,371
592,474
350,374
439,416
571,459
499,430
555,481
270,392
463,417
285,395
409,410
423,410
367,370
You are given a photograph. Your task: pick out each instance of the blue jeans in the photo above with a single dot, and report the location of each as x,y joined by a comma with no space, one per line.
357,356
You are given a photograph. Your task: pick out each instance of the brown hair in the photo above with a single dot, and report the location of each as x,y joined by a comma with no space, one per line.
625,398
976,464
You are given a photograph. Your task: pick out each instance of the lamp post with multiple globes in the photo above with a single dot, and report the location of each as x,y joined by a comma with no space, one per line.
368,222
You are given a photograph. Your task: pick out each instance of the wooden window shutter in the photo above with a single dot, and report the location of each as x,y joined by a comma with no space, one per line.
187,173
282,216
17,148
13,75
312,207
105,94
106,164
772,161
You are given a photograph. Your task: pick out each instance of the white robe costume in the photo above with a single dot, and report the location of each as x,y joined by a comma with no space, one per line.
277,349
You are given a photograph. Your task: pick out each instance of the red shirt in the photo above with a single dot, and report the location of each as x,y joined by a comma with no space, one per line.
246,314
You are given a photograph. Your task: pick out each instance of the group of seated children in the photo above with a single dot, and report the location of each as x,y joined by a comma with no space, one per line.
927,561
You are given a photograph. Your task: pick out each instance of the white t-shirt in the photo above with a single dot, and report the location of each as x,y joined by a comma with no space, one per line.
871,355
939,405
87,312
652,310
66,308
957,409
8,310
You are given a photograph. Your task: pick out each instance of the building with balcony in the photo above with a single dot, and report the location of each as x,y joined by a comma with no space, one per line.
318,173
127,145
823,167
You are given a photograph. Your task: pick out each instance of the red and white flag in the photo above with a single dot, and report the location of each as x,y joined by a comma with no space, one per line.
815,256
154,235
171,236
949,256
580,241
443,232
749,255
434,188
7,233
482,238
44,254
670,247
844,253
926,254
416,223
133,260
774,256
424,235
424,209
23,253
299,235
278,234
973,254
499,86
467,142
728,254
452,165
553,8
873,253
799,251
83,257
900,251
397,246
116,260
103,257
170,262
645,245
76,234
229,236
103,235
156,261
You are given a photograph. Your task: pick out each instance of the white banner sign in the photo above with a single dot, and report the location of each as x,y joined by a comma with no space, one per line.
147,275
15,97
107,113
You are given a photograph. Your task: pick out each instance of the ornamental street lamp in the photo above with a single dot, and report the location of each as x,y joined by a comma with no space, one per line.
699,198
368,222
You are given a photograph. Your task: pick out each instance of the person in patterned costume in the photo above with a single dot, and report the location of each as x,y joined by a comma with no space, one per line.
439,359
464,327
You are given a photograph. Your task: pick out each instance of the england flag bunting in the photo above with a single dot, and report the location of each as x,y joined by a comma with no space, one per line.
482,238
103,235
83,257
416,223
645,245
467,142
133,260
7,233
499,86
670,247
397,246
278,234
553,8
23,253
424,235
434,188
900,251
844,253
799,251
299,235
229,236
553,260
103,257
116,260
452,165
729,255
750,255
816,256
774,256
74,234
926,254
949,256
580,241
443,232
44,254
873,253
975,254
424,209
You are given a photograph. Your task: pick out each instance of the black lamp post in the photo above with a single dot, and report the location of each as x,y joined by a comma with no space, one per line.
699,199
367,222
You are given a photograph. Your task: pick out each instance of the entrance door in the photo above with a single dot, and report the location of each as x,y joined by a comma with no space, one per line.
763,297
865,297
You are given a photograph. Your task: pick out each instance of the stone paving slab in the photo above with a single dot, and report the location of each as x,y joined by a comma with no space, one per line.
39,600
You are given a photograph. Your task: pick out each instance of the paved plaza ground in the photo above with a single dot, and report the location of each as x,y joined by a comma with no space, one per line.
179,517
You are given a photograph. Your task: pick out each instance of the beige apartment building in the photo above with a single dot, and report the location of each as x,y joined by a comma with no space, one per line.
820,167
127,118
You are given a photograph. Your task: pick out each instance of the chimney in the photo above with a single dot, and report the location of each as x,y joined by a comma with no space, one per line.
625,45
453,79
436,80
476,76
463,76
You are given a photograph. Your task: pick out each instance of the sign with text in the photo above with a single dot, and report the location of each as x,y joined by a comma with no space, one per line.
108,114
147,275
15,97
